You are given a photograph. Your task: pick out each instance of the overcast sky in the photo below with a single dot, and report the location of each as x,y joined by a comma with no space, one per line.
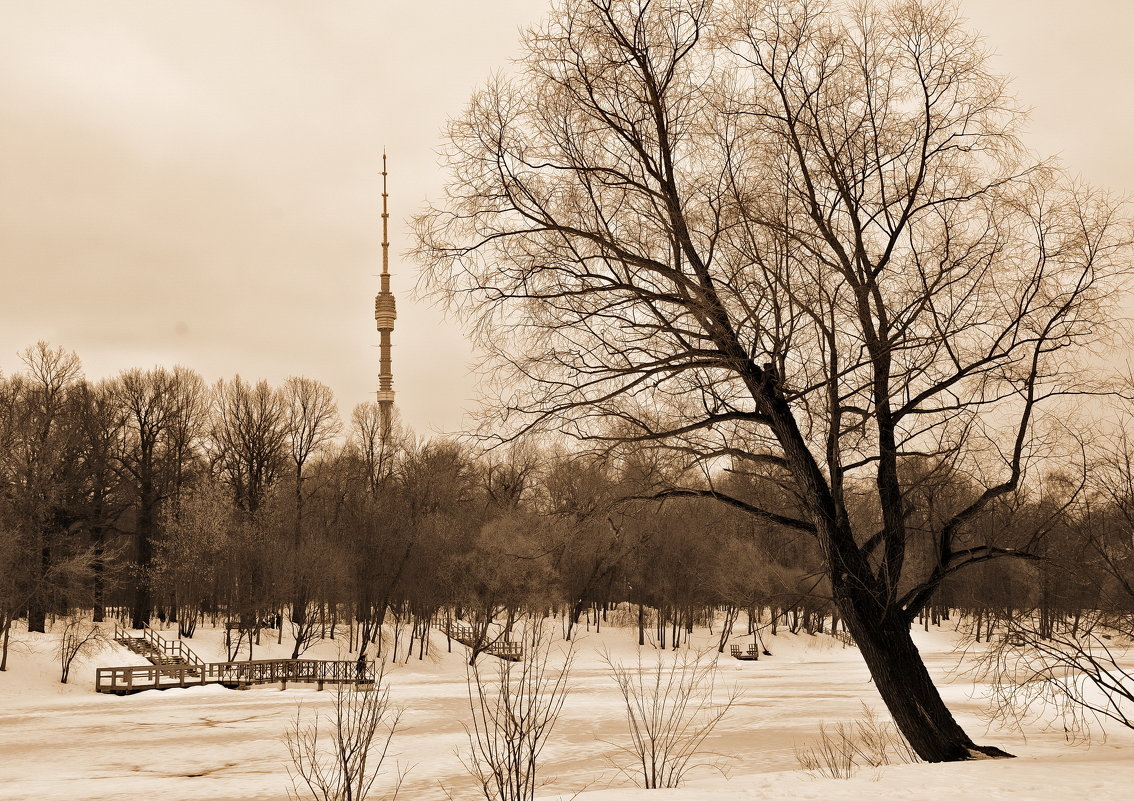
196,181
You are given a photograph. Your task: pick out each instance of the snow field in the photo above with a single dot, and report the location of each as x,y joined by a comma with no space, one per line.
68,742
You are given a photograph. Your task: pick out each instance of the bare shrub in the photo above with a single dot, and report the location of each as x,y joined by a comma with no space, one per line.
844,748
305,627
671,709
340,758
514,708
1071,675
245,633
79,640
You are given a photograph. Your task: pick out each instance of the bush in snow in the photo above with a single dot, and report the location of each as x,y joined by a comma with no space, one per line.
340,758
671,709
513,709
844,748
79,640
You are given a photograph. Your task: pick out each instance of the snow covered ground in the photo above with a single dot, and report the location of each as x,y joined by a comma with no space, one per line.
68,742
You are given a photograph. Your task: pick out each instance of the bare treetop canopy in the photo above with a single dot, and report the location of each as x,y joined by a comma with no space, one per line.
664,203
798,235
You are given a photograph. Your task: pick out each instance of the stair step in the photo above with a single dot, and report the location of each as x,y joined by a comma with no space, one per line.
156,654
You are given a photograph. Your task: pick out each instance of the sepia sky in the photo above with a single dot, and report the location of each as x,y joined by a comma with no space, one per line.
196,181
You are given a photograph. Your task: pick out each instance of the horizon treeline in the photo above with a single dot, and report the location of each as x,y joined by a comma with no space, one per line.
157,494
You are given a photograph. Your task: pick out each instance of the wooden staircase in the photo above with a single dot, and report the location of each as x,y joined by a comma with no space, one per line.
156,649
463,633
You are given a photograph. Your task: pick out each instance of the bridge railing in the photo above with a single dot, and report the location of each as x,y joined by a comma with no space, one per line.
172,648
242,674
460,631
120,631
148,677
507,650
270,671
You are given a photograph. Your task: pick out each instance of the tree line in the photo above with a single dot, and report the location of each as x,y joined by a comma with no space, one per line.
157,495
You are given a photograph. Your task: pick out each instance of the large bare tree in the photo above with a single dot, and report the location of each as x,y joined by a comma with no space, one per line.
801,236
248,440
101,422
164,418
248,443
41,478
311,423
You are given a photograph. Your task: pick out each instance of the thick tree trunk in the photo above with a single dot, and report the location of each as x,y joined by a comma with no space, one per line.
6,619
906,687
140,611
573,617
731,614
37,606
144,537
98,577
299,594
37,617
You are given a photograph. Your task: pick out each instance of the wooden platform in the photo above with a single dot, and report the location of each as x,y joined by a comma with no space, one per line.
463,633
235,675
753,653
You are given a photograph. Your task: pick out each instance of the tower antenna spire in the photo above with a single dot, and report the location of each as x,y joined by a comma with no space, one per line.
385,313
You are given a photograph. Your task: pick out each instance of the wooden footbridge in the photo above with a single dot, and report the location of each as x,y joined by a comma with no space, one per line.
234,675
173,664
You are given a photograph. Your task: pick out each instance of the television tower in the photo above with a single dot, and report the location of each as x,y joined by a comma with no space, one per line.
385,314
